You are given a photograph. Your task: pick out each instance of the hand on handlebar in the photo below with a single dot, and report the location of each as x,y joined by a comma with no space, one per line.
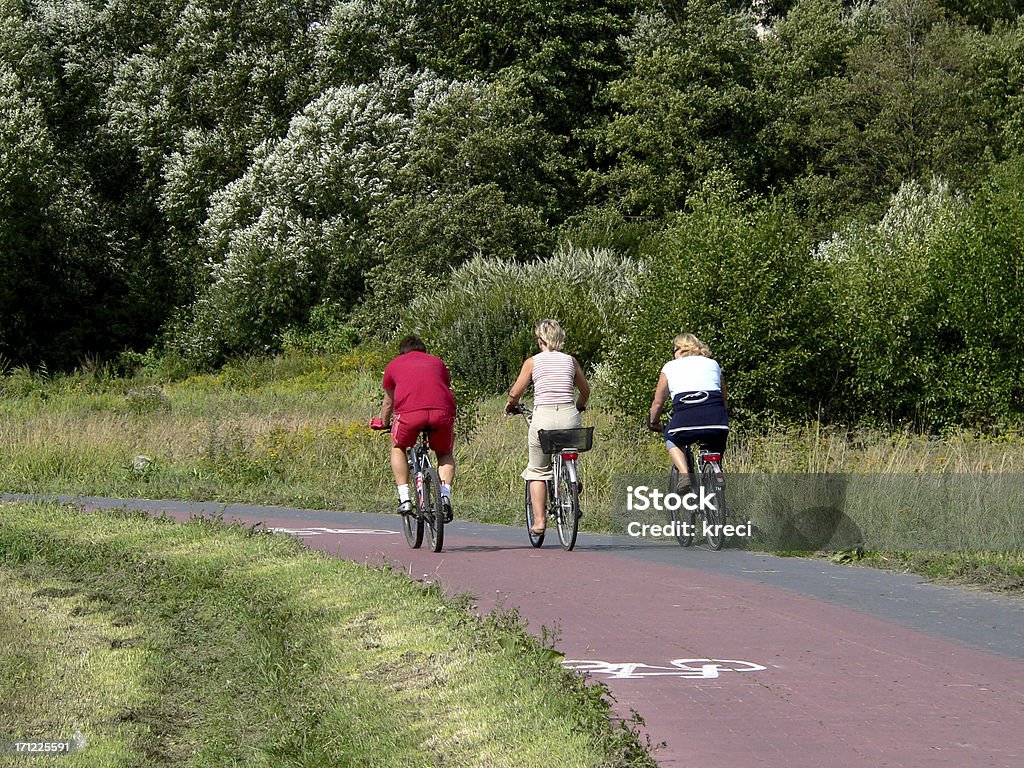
655,426
379,424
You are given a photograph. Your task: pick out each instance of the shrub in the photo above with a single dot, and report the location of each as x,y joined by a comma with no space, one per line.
481,322
327,332
985,288
744,278
895,327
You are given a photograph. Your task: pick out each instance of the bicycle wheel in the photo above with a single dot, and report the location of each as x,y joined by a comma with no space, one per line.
433,509
535,539
567,508
714,510
684,520
412,522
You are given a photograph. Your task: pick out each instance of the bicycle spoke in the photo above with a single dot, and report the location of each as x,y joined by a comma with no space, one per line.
412,522
683,520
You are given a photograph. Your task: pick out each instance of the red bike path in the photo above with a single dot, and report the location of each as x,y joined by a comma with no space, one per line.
765,674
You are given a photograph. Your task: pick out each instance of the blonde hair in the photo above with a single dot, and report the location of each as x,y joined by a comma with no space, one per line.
689,344
551,333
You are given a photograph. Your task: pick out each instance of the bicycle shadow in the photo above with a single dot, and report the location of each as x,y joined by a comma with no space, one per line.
484,547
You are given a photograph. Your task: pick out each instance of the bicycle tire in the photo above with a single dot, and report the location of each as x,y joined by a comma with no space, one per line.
412,522
433,511
714,514
567,508
535,539
684,521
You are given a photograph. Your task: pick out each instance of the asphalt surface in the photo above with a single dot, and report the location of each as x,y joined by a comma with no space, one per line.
733,659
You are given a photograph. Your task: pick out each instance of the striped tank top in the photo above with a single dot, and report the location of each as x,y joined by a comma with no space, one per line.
553,377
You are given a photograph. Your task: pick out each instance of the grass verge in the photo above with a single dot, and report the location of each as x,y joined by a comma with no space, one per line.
212,645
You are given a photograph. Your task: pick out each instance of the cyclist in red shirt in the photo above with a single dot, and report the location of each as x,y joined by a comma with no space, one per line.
417,390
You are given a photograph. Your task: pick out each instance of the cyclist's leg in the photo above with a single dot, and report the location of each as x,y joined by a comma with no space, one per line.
399,465
442,442
678,457
538,470
539,500
405,428
676,445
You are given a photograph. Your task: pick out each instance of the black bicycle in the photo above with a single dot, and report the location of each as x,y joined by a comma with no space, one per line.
564,446
428,507
706,506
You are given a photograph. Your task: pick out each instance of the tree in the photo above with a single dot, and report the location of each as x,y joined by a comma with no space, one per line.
390,184
911,108
800,73
685,107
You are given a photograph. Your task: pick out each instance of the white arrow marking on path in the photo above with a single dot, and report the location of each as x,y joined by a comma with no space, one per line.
706,669
319,531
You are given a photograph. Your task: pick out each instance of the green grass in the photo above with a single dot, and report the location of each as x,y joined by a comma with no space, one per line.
202,644
68,667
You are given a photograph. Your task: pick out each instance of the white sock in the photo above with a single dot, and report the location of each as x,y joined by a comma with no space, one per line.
446,490
403,493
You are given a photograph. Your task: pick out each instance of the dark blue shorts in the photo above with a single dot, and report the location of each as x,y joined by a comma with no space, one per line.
699,417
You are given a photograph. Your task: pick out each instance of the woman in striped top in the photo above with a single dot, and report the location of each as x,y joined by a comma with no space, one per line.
555,376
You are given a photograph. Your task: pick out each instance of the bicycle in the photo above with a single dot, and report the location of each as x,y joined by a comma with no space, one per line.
707,482
563,489
428,509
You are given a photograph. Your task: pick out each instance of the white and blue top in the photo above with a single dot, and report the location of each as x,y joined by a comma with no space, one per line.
695,385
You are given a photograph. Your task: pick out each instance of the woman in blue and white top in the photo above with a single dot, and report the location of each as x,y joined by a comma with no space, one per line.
695,383
555,376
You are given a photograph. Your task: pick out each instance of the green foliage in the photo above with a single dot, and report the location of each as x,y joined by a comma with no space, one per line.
481,178
481,321
909,106
414,173
205,179
894,326
800,72
985,289
685,107
929,301
327,332
743,278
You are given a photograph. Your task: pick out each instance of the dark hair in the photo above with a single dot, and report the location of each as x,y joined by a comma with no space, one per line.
411,343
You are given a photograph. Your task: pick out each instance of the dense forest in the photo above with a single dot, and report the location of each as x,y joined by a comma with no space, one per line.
831,194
